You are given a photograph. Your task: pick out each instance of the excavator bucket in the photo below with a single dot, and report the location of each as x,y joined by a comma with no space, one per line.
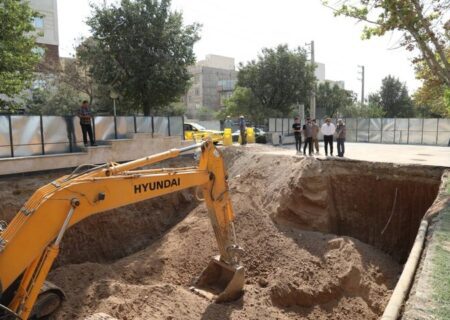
220,281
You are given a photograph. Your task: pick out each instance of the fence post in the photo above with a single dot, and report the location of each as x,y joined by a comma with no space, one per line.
282,126
421,140
93,129
437,131
168,125
135,125
11,136
153,127
407,137
42,134
182,130
115,127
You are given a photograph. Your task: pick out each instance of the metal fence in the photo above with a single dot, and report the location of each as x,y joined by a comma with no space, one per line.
38,135
383,130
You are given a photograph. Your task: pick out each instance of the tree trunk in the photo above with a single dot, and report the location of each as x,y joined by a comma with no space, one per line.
147,107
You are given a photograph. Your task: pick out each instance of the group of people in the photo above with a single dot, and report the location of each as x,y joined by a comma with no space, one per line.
310,132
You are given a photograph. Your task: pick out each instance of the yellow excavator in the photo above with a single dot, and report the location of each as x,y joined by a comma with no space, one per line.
30,243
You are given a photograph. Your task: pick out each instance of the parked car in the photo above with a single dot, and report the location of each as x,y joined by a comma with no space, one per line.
260,135
194,131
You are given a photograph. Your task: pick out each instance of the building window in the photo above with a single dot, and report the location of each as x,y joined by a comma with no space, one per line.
38,23
197,92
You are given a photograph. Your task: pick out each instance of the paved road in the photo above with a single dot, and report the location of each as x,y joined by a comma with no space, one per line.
416,154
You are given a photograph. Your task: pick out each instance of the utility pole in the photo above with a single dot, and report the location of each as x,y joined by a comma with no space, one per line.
361,72
312,107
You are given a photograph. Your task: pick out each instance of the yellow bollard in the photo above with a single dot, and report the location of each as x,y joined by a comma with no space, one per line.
188,135
250,135
227,138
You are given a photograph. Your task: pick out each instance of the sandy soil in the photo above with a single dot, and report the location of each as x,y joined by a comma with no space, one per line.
290,273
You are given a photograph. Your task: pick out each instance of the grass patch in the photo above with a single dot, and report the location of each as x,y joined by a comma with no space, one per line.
441,267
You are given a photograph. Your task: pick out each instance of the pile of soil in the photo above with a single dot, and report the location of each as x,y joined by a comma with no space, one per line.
290,273
294,270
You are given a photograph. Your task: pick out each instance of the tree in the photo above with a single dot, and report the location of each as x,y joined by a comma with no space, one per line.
421,21
333,98
243,102
278,79
17,57
430,97
142,49
393,98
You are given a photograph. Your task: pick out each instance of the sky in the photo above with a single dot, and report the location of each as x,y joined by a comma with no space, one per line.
241,28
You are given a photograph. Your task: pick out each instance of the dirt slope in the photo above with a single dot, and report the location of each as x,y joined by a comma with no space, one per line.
291,273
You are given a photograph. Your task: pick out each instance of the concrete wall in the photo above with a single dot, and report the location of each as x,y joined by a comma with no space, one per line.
141,145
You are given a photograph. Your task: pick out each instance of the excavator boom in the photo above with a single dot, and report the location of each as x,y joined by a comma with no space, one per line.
30,244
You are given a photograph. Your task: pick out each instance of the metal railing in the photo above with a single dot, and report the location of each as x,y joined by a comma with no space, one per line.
39,135
434,131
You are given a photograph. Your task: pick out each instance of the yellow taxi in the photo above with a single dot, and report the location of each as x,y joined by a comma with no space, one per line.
194,131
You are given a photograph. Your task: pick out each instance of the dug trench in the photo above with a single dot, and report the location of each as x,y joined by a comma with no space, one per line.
323,240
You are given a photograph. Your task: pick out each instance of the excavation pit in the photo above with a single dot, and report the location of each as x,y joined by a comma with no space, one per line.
323,239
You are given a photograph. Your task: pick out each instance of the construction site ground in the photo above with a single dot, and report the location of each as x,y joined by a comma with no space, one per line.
395,153
319,240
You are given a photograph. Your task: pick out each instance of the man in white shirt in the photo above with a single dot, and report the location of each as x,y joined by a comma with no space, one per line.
328,129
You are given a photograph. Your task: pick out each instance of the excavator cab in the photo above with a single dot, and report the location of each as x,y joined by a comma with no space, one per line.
70,199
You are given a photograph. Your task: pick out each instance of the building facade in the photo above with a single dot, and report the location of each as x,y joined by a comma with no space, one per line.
213,81
47,28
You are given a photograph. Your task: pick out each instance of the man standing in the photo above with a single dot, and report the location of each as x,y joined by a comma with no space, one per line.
315,137
297,128
328,129
340,137
228,123
243,129
85,122
308,132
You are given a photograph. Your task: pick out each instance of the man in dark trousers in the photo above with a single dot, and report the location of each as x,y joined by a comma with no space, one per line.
340,137
297,128
328,129
308,132
85,121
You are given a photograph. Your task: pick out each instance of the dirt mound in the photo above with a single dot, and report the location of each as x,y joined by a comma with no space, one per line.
292,270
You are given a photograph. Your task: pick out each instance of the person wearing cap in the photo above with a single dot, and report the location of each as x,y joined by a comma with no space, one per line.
243,129
328,129
308,133
340,137
315,137
297,134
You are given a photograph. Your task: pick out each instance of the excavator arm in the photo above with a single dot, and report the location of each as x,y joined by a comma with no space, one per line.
30,244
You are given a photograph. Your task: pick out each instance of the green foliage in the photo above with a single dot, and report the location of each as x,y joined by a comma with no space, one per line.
205,113
333,98
17,59
393,98
430,98
278,79
243,102
142,49
422,22
49,96
357,110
